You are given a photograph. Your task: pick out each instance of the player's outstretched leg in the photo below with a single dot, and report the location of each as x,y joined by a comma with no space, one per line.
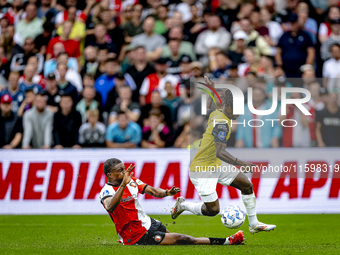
206,209
242,183
176,239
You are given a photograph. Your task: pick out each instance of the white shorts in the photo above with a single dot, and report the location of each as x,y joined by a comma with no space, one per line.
206,186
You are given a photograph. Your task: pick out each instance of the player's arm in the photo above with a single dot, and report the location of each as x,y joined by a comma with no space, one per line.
111,203
158,192
220,132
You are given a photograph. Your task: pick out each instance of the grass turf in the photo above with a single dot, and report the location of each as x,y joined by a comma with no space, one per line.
95,234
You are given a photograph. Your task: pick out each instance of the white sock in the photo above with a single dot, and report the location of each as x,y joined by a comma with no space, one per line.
195,208
249,202
227,241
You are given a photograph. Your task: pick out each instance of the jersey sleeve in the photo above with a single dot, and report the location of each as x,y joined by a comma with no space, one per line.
106,192
141,185
220,132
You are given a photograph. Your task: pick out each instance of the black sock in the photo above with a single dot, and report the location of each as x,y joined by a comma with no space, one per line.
217,241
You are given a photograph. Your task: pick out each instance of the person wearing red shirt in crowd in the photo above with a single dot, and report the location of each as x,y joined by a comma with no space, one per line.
72,47
156,81
133,226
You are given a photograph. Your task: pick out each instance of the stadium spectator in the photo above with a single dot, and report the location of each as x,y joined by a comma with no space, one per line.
251,63
219,63
215,36
267,65
66,124
51,65
325,27
10,125
64,86
315,100
295,48
52,93
184,47
92,133
331,68
27,103
308,76
141,68
63,16
195,25
156,103
38,125
157,81
125,104
134,26
307,23
123,133
105,83
27,81
19,60
172,101
267,135
274,28
297,135
152,42
114,31
185,67
91,64
71,75
162,15
31,26
235,53
113,95
17,94
228,11
254,40
333,39
78,27
87,103
71,46
45,7
100,40
328,123
156,133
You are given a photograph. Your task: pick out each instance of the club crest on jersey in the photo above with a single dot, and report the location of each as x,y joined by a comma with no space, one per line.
133,184
105,193
222,135
157,238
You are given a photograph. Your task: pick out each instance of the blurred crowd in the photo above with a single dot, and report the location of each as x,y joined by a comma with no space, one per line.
125,73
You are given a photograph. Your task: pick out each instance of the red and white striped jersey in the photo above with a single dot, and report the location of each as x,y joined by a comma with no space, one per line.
130,220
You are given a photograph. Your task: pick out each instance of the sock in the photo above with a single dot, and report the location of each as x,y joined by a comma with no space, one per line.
249,202
219,241
195,208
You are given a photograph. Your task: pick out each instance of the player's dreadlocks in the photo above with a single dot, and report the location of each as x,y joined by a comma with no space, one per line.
227,99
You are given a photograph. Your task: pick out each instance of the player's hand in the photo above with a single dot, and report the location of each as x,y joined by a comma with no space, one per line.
127,175
209,81
173,191
247,167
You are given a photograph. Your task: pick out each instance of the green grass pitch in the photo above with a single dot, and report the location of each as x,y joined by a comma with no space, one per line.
95,234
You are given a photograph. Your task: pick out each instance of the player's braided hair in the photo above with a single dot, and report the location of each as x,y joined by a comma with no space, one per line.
110,164
227,99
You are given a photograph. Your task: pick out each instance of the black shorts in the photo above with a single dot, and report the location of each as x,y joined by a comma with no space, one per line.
154,235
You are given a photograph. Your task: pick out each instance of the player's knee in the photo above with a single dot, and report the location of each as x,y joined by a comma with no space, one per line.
247,187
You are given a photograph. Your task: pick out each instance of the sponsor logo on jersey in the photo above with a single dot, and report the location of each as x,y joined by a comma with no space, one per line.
106,193
222,135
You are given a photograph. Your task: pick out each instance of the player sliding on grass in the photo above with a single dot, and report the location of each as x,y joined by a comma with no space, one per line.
212,152
133,226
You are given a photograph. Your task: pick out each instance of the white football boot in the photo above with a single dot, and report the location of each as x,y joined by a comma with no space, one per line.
261,227
177,209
